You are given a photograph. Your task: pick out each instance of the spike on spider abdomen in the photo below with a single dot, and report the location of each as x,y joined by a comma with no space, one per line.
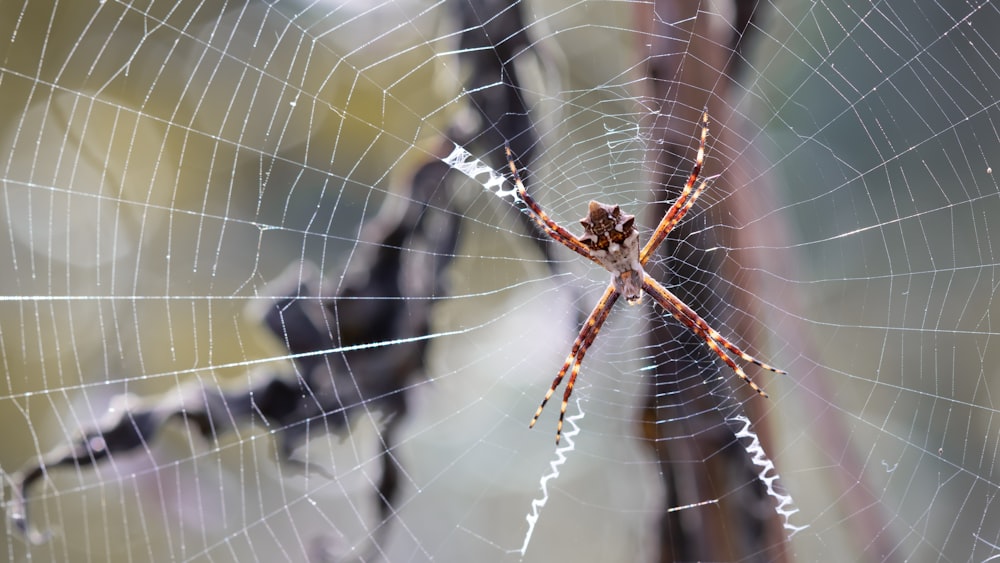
606,225
614,243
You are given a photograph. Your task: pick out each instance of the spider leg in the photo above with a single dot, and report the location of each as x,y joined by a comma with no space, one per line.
735,350
575,358
714,334
683,203
673,216
540,217
696,324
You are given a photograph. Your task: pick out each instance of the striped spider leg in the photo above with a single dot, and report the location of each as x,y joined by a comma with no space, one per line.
610,240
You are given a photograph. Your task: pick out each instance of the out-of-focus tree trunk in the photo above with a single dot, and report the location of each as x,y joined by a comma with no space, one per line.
688,69
691,66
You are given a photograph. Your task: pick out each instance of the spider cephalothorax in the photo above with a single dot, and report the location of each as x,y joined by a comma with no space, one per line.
614,243
610,239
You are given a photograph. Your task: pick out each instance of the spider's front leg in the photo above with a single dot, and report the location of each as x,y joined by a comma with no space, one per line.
538,215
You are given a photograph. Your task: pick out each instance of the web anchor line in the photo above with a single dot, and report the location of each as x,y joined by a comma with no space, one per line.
768,475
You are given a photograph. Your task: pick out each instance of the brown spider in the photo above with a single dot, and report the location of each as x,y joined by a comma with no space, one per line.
610,239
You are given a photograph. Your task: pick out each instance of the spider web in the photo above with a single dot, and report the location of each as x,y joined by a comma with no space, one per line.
173,170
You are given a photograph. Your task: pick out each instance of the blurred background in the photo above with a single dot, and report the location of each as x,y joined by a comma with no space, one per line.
169,170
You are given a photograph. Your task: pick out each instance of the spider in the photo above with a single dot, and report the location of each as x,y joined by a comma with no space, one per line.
610,240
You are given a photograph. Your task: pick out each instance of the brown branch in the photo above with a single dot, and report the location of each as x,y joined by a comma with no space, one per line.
684,427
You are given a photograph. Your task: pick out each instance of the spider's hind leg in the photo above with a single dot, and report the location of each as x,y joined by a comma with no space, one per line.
710,336
575,358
